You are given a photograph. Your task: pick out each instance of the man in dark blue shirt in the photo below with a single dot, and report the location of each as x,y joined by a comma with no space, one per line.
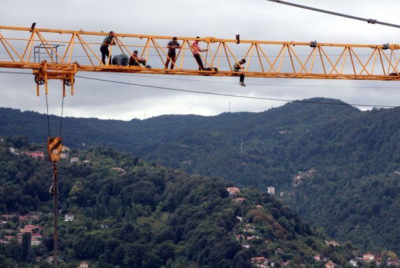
172,46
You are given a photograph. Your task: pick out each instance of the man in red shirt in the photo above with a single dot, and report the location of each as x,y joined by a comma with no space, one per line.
196,53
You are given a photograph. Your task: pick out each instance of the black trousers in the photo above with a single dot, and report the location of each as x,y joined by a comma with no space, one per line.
104,53
133,62
199,61
173,58
142,62
241,77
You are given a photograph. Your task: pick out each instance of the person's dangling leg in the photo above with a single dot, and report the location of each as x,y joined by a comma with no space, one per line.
242,80
173,59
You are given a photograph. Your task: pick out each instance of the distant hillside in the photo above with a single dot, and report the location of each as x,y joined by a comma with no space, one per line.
350,156
241,147
129,213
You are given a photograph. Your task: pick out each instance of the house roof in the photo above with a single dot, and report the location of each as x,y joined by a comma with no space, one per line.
256,259
233,190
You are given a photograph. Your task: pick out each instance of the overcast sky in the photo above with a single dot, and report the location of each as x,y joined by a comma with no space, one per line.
252,19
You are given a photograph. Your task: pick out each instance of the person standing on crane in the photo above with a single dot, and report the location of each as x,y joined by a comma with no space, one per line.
238,67
109,40
196,53
172,46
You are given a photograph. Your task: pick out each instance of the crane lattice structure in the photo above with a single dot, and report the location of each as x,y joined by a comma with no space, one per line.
265,59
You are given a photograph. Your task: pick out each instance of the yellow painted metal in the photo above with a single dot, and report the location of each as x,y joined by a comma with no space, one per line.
68,47
5,46
83,46
330,62
322,59
284,59
380,56
54,148
30,44
259,59
182,50
72,48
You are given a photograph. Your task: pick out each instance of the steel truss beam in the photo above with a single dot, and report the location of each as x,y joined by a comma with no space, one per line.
265,59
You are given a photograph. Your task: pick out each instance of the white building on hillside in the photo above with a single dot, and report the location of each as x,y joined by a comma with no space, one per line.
271,190
69,217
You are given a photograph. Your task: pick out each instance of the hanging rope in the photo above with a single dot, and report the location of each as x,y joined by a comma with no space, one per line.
48,117
62,113
54,148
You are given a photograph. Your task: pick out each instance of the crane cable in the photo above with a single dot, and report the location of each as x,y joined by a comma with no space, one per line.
232,95
370,21
235,96
54,186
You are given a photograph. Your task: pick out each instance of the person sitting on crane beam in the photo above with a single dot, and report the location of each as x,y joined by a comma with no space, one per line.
238,67
135,60
172,46
196,53
109,40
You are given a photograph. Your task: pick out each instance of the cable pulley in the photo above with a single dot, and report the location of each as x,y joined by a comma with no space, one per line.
39,81
69,82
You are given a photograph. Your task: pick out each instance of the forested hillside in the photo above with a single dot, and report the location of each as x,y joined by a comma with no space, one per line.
333,164
256,149
129,213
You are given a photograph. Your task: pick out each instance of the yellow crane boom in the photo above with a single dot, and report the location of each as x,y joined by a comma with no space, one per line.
78,51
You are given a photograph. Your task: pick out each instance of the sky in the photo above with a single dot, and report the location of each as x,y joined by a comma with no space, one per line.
252,19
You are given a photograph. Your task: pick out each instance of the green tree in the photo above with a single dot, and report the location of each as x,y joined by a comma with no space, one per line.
26,245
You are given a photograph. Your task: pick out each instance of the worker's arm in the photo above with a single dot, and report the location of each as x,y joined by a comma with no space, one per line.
175,45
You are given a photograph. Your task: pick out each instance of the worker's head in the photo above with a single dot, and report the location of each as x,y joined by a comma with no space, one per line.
174,38
135,53
242,61
111,33
198,37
